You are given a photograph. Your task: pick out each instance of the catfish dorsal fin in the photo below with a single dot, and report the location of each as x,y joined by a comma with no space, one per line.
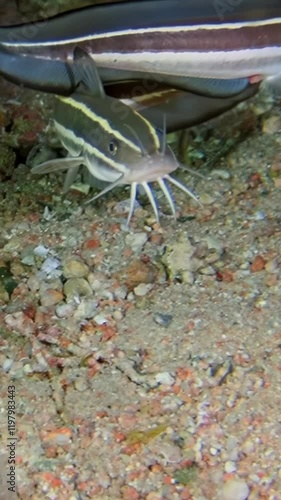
87,72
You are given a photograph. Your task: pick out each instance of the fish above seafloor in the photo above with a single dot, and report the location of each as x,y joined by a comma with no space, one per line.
115,143
164,38
181,109
211,48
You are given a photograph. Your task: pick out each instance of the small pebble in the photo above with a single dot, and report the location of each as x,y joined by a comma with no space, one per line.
80,384
277,183
33,284
220,173
13,245
50,265
47,215
41,251
188,277
179,260
64,310
77,287
258,264
28,260
213,257
7,365
94,282
272,125
121,292
165,378
4,296
207,199
51,297
235,489
214,451
163,319
138,272
171,403
106,294
248,447
123,207
58,437
86,309
75,268
80,187
171,453
229,466
271,266
27,369
207,271
118,315
214,244
55,284
136,241
100,319
232,448
275,169
21,323
142,289
260,215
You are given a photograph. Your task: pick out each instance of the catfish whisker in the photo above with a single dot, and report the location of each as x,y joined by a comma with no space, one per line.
167,194
153,201
161,180
133,196
191,171
183,188
108,188
151,198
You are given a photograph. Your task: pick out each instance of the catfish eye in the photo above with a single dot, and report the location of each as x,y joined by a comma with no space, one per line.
113,147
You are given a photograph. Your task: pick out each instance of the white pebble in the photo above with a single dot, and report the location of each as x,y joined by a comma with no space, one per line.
260,215
41,251
50,265
86,309
214,451
94,282
229,466
121,292
100,319
235,489
7,365
142,289
248,447
64,310
220,173
106,294
136,240
165,378
118,315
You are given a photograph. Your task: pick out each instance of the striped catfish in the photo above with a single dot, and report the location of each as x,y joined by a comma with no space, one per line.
207,39
115,143
176,42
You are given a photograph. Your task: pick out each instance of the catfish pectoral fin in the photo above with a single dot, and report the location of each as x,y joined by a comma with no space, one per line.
59,164
70,178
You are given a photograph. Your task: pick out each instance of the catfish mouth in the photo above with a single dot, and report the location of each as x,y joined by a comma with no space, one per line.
151,167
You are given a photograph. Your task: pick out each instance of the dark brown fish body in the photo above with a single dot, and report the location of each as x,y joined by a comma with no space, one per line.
208,48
